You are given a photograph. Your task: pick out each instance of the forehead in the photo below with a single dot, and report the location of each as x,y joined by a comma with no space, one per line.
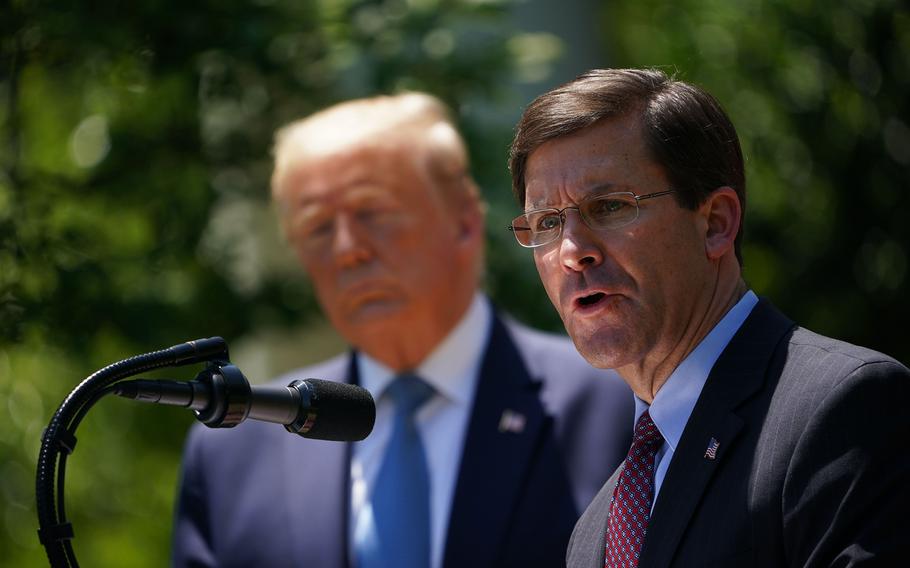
608,156
356,172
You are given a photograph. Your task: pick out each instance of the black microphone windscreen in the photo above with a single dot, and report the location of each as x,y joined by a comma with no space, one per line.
343,412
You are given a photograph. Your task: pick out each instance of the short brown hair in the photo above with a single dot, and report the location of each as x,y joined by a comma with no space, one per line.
684,127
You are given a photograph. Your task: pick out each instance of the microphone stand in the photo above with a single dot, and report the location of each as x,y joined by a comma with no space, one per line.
59,438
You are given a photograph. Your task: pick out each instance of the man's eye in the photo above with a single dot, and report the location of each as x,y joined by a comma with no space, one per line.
547,223
309,226
378,216
369,215
318,228
601,208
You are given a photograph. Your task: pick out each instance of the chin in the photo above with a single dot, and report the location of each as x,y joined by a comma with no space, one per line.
377,317
376,312
604,348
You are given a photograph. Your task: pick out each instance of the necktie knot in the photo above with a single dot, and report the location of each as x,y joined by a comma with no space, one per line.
409,393
646,431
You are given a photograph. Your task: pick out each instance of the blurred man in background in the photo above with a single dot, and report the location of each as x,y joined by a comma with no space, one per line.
490,438
757,443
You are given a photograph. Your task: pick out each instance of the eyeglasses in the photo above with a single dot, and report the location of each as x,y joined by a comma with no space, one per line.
602,212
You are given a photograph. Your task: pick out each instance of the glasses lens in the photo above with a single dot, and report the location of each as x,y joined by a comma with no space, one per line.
609,211
536,228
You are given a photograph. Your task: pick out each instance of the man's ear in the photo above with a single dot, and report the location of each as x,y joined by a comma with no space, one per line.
723,213
471,220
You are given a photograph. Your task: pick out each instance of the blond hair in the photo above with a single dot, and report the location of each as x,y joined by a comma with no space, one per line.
416,121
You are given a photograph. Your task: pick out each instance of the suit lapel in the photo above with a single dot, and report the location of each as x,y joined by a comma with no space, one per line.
737,375
318,511
504,429
686,480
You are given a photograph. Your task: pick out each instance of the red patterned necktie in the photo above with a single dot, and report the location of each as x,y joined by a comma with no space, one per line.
630,508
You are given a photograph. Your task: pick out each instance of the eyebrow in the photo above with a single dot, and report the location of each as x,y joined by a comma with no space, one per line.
355,196
600,189
366,192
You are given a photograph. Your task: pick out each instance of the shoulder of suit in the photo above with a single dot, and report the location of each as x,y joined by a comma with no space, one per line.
537,346
817,370
553,357
836,356
334,369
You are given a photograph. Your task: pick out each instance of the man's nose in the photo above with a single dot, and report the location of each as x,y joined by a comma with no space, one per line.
579,246
350,243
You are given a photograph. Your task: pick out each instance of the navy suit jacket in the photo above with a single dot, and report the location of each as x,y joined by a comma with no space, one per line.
259,496
812,467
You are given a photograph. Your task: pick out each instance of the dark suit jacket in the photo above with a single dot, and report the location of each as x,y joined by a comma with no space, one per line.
258,496
812,469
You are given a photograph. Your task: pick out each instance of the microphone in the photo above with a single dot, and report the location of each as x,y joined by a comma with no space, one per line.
221,397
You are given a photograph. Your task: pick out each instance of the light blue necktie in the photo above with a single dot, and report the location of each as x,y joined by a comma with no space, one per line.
401,496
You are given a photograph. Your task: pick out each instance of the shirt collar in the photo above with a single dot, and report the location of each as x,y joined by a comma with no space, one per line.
451,367
676,399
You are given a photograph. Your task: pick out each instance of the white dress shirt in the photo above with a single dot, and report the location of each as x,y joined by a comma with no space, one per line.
674,402
452,369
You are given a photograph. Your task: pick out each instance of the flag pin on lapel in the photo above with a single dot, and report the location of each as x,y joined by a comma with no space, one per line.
511,421
711,452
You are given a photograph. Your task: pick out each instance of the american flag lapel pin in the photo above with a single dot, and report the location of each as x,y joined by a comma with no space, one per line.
711,452
511,421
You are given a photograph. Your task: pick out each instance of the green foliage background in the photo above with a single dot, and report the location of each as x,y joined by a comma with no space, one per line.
133,189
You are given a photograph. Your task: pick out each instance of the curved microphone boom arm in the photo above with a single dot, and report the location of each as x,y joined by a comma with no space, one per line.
220,397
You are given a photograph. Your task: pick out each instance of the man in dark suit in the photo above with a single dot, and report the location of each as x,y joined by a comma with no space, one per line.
490,438
757,442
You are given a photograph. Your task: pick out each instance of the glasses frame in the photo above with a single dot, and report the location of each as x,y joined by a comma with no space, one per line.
562,215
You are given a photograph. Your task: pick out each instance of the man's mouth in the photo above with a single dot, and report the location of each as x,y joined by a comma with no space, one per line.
591,299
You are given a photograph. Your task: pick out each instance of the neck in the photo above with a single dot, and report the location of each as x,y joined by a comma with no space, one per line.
406,349
649,375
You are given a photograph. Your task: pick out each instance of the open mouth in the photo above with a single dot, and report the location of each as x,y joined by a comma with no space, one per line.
591,300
